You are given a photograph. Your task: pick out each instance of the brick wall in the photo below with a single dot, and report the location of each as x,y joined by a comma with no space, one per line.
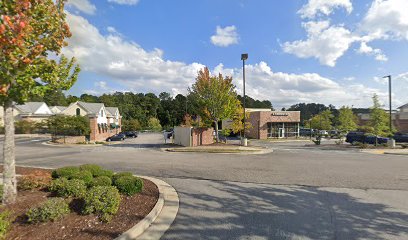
202,136
259,122
100,134
70,139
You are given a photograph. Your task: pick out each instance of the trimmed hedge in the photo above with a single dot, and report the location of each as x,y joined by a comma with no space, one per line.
119,175
51,210
103,201
85,176
129,185
63,187
66,172
101,181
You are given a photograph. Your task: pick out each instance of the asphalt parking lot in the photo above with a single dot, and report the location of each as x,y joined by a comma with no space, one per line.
293,193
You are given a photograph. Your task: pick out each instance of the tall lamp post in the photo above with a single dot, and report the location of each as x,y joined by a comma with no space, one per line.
389,95
244,57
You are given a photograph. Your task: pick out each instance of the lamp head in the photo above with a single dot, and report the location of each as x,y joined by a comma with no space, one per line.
244,56
387,76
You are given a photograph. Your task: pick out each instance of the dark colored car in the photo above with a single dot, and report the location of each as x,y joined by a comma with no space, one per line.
401,137
116,137
130,134
363,138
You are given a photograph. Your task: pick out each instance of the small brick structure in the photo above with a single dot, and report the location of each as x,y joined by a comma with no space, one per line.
202,136
192,137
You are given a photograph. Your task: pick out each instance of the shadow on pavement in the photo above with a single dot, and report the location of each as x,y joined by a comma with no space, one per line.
248,211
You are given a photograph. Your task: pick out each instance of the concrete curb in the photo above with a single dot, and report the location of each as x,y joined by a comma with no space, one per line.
49,143
218,151
160,218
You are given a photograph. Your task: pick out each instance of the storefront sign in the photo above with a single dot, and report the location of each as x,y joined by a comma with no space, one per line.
280,114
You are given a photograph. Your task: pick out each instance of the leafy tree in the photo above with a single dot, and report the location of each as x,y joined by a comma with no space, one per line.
154,124
379,120
68,125
214,97
29,31
307,110
131,125
347,121
322,120
252,103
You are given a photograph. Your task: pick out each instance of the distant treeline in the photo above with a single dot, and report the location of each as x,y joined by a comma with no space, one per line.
141,106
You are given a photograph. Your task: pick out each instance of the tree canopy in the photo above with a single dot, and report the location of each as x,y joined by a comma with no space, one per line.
214,97
30,30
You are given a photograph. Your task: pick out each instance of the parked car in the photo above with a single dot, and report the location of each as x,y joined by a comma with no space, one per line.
401,137
306,132
130,134
363,138
116,137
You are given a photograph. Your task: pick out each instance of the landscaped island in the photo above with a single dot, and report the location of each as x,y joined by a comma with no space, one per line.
84,202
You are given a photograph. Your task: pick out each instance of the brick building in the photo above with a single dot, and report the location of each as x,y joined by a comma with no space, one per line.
399,118
104,122
266,123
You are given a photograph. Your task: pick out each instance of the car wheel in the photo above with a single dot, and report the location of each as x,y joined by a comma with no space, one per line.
123,139
108,140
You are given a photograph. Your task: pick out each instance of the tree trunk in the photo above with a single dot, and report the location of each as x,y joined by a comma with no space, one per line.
9,172
217,139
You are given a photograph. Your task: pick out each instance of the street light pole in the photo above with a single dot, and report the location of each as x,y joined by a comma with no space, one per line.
389,96
244,57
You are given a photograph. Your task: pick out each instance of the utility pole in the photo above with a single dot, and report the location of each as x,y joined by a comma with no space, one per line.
244,57
390,97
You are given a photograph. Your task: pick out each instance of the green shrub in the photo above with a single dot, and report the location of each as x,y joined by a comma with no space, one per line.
101,181
5,223
52,209
68,188
119,175
129,185
103,201
93,168
85,176
66,172
103,172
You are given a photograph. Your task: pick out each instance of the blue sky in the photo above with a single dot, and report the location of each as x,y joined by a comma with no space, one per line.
299,51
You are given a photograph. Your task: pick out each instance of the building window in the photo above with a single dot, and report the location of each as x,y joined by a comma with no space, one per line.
78,111
101,113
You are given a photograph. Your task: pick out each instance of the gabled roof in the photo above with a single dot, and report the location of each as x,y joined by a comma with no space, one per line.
91,108
57,109
29,107
404,106
111,110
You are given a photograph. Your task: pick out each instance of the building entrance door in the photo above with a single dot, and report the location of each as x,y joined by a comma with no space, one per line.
281,132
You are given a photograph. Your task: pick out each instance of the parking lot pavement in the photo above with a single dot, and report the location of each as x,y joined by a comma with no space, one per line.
232,210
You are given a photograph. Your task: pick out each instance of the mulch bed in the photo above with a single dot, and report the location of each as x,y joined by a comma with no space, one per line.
75,226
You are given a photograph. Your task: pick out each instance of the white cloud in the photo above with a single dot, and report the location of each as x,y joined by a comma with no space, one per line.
324,42
126,62
126,65
83,5
377,53
225,37
285,89
325,7
125,2
386,19
349,79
